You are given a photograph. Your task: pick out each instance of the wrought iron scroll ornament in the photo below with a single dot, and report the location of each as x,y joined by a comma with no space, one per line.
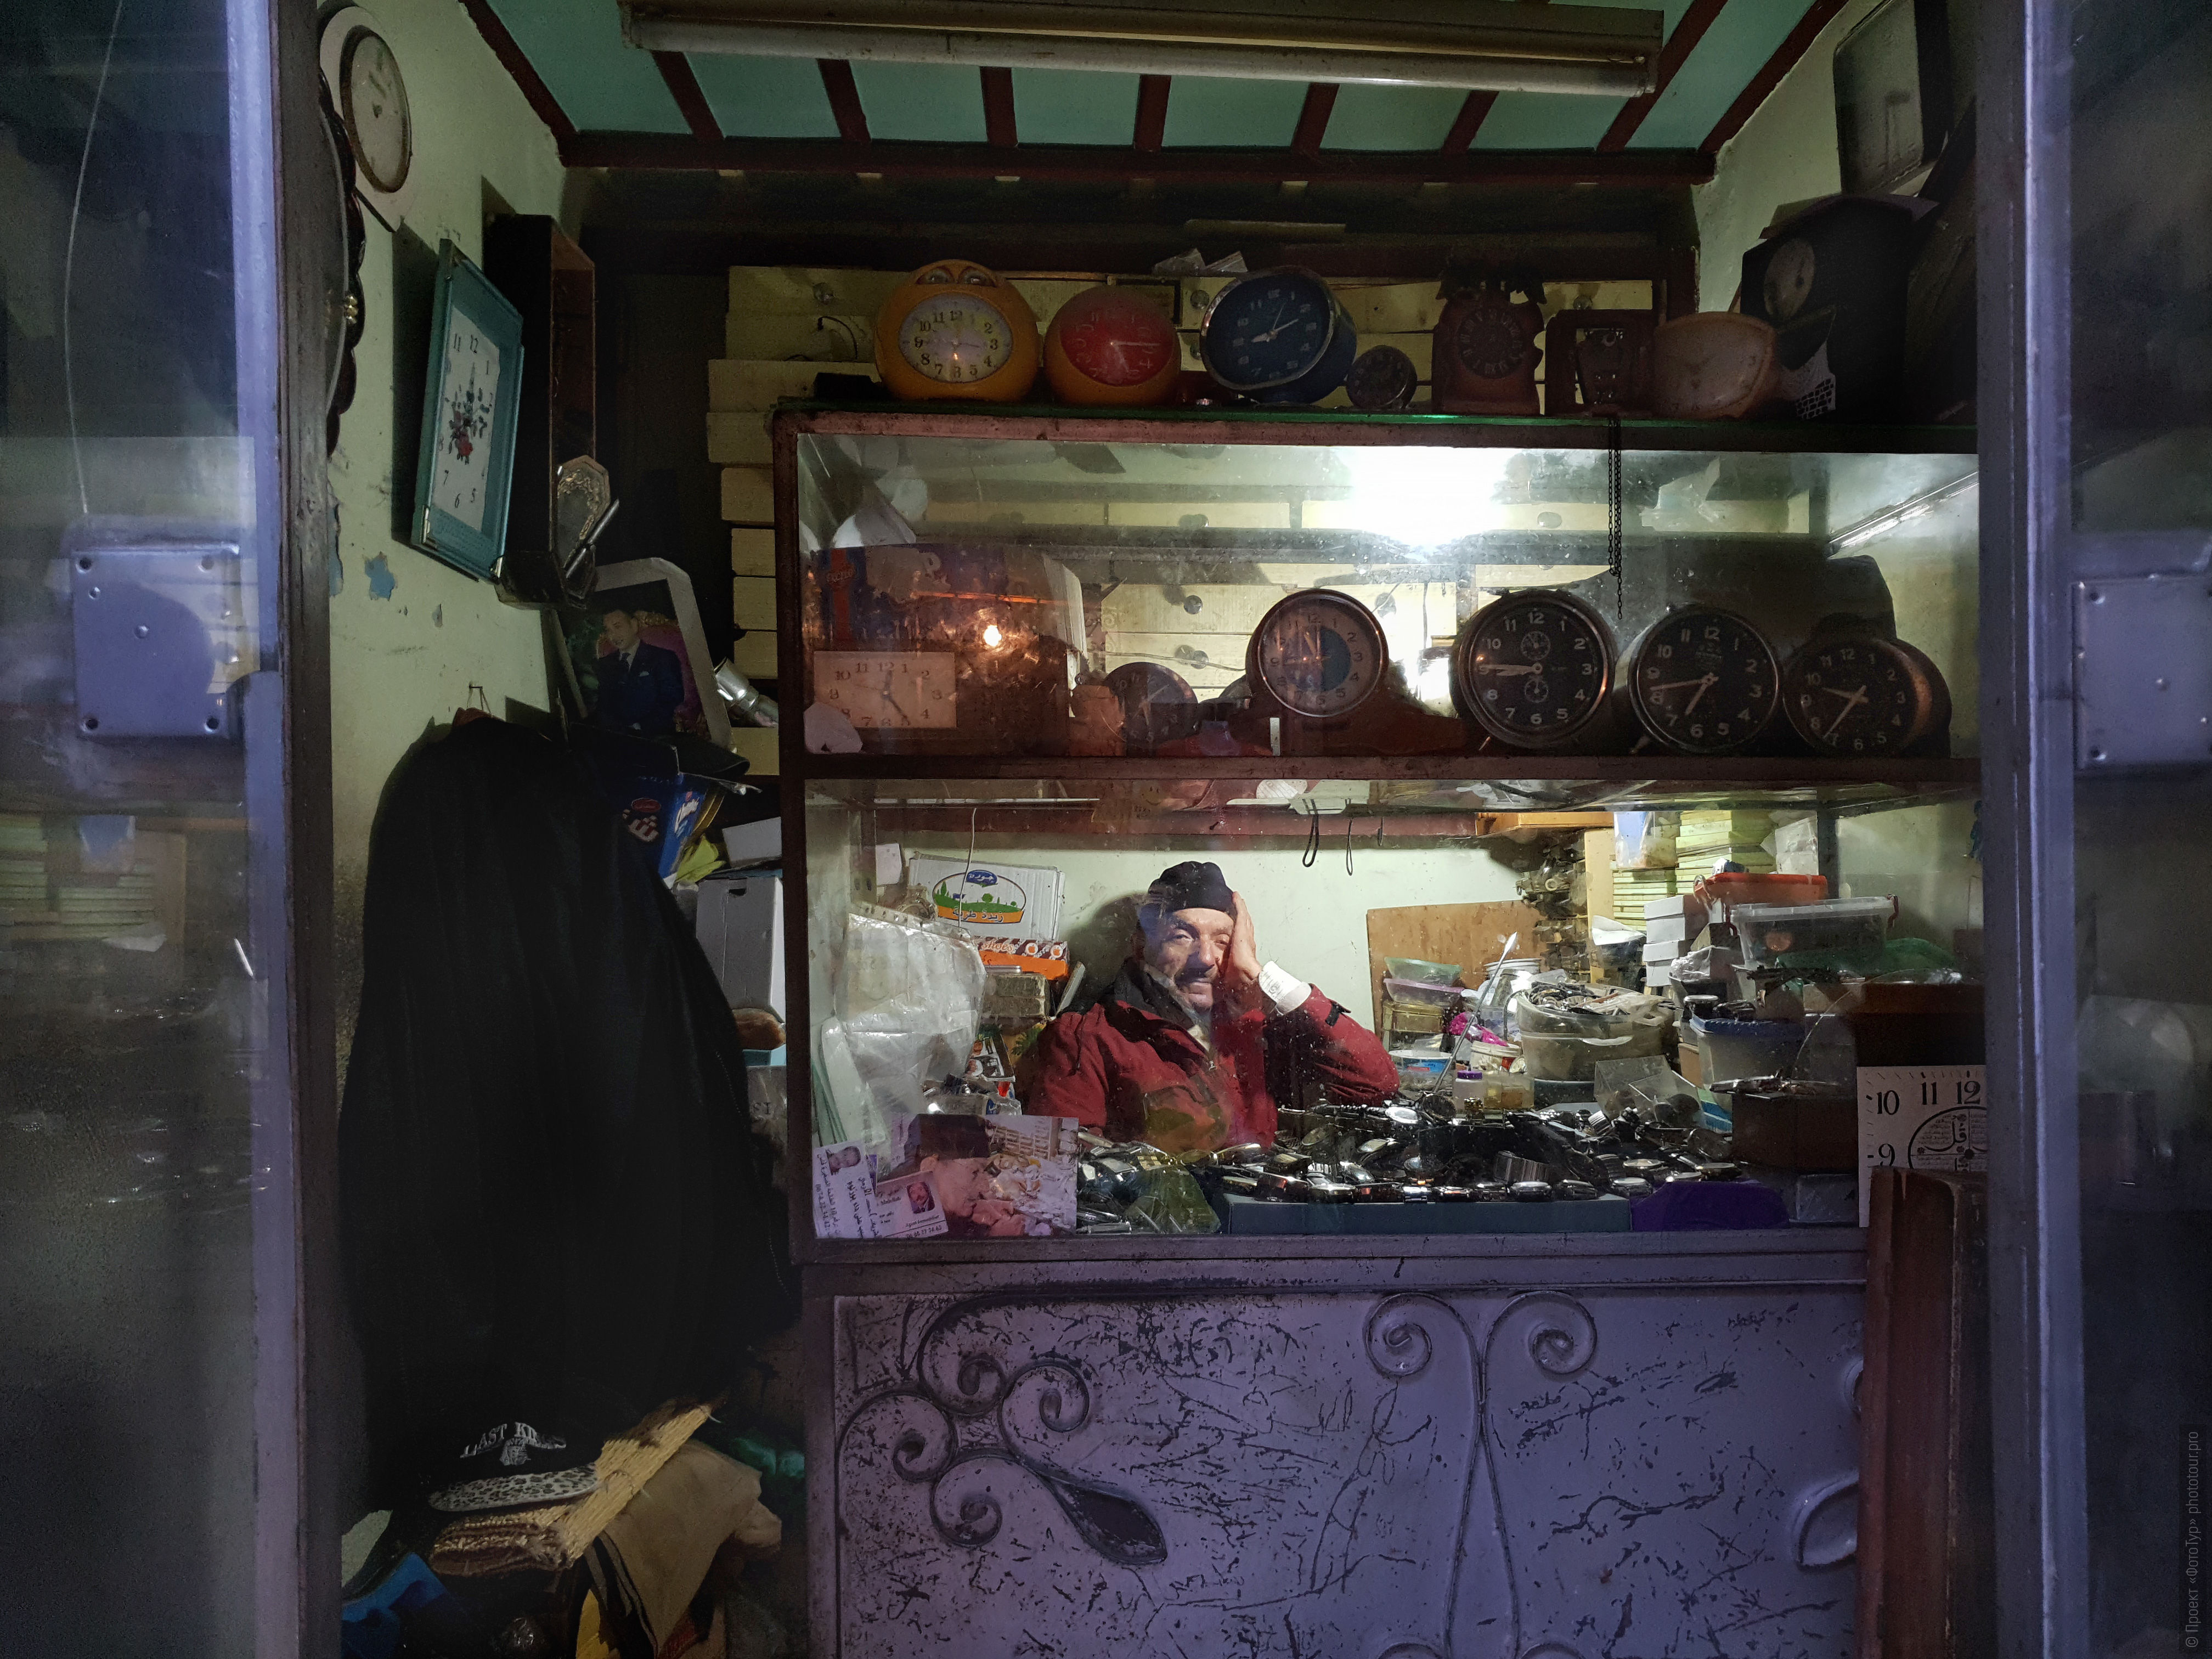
1012,1419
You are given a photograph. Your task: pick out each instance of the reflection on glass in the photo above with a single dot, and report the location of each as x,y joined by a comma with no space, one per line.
962,591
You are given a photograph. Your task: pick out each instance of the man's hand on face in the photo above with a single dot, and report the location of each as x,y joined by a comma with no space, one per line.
1241,968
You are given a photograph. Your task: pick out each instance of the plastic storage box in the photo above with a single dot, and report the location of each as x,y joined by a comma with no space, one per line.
1851,929
1732,1048
1720,894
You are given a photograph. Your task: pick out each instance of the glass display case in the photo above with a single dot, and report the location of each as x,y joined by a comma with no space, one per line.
1191,782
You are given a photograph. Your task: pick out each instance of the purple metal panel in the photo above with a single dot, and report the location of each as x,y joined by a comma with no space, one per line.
1559,1468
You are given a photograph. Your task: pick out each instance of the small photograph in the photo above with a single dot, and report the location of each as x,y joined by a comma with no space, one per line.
640,654
992,1177
908,1205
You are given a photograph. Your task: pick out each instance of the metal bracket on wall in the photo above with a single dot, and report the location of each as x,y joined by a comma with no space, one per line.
2142,671
161,634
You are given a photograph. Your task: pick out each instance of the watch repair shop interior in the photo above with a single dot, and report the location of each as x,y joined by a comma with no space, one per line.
1393,652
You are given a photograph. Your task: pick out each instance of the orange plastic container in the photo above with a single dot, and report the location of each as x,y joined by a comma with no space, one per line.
1720,894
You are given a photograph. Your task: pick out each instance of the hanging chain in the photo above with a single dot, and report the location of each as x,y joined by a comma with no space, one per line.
1613,507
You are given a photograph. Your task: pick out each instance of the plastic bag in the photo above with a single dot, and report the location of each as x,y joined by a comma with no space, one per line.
909,998
1171,1202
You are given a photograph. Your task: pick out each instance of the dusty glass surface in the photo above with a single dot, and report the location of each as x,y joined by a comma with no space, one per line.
958,589
1053,875
134,984
2142,436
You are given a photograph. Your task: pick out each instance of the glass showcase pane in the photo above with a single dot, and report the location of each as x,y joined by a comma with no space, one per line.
136,996
959,590
1425,1011
2143,437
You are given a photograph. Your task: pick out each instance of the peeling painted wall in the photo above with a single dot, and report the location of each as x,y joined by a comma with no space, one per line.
1785,153
409,636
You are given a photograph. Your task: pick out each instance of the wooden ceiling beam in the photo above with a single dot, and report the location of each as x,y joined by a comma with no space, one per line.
517,66
683,87
998,108
1313,118
1793,46
844,100
1472,114
1680,45
1102,164
1152,111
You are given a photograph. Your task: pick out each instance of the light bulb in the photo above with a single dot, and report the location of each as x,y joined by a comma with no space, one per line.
992,637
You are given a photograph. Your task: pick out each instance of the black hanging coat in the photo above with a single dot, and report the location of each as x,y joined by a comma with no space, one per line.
553,1209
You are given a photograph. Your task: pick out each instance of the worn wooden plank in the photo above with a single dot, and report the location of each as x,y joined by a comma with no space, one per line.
752,553
1471,935
748,494
753,601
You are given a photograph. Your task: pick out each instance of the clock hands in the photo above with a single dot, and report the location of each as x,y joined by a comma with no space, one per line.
1515,668
1851,700
1705,684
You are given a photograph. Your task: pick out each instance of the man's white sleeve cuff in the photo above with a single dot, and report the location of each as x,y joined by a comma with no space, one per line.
1284,990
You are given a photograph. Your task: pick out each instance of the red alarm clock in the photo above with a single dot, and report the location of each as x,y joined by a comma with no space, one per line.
1108,346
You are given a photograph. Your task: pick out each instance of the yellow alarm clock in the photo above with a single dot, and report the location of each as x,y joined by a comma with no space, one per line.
956,330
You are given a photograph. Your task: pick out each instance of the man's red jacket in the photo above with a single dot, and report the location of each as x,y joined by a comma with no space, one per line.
1130,1067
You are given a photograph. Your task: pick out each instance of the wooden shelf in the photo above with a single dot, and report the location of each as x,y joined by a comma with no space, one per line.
1002,422
1099,795
1796,771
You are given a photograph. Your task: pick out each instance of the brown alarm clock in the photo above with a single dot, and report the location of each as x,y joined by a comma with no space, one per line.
1853,693
1486,354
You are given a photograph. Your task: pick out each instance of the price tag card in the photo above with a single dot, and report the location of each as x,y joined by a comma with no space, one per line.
1920,1117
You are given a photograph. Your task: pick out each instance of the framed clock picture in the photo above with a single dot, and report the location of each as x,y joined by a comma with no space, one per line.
469,412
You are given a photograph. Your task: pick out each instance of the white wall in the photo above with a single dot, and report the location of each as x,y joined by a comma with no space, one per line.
1785,153
409,636
1313,922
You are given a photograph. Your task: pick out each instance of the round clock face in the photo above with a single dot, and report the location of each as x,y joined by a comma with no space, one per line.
955,336
1119,342
1491,342
1319,654
1157,705
1384,378
1704,682
1534,668
1267,330
375,111
1858,695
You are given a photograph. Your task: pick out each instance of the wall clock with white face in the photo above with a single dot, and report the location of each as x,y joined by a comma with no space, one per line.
370,94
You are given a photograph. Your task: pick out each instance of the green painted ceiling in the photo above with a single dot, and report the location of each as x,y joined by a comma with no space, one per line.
575,46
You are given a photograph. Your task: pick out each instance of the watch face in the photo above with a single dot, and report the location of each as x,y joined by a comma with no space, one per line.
1267,330
1856,695
1119,342
1704,682
1492,343
955,336
376,113
1534,668
1319,654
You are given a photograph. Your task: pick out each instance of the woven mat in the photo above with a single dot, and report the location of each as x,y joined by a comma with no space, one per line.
552,1538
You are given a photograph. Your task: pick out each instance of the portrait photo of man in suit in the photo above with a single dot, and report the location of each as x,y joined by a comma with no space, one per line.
640,684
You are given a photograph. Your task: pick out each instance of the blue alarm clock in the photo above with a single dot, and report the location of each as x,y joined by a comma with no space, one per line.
1278,336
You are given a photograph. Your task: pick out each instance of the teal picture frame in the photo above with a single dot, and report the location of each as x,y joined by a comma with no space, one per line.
465,468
